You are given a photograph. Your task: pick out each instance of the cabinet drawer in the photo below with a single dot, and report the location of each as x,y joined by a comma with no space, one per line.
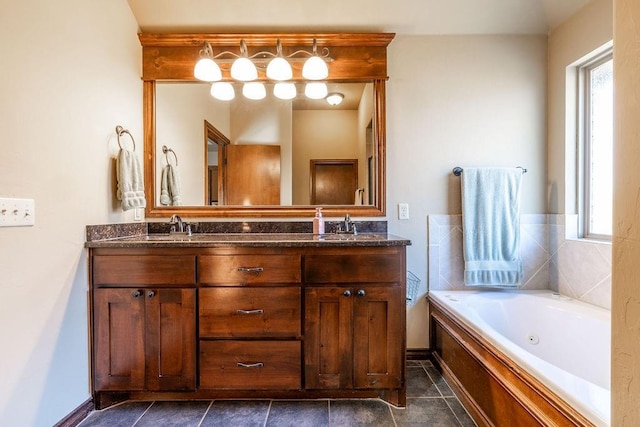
151,270
250,365
249,269
353,268
250,312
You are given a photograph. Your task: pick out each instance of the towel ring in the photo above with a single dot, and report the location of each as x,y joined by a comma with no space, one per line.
120,131
166,152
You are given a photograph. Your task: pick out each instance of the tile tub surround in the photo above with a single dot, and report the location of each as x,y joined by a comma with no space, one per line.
552,257
429,400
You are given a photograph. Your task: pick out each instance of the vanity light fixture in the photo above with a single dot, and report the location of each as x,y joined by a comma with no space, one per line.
277,66
206,69
254,90
284,90
315,90
223,91
242,68
315,68
334,98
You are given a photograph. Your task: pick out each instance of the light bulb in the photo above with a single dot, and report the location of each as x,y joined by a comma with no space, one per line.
254,90
335,98
223,91
284,90
315,90
315,68
207,70
244,70
279,69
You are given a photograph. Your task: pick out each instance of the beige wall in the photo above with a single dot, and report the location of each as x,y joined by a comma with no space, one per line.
626,231
320,134
589,29
70,73
180,114
459,101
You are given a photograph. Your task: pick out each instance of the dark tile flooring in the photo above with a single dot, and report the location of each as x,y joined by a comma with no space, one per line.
430,402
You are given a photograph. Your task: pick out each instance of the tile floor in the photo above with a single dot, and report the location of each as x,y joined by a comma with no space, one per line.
430,402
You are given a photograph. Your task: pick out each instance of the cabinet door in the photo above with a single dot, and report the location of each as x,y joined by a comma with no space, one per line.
378,342
170,339
328,338
119,362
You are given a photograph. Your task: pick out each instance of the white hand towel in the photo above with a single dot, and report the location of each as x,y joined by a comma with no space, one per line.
491,226
170,187
130,183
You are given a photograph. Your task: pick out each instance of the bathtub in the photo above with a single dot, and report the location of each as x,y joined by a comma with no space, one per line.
546,351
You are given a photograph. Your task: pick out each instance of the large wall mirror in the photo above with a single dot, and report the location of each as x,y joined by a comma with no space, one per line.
269,157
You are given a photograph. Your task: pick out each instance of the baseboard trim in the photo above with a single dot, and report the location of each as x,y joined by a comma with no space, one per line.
418,354
77,415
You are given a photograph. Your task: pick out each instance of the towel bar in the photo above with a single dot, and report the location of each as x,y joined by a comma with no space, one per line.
457,171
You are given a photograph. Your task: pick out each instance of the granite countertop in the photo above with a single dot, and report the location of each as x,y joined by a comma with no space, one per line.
239,233
206,240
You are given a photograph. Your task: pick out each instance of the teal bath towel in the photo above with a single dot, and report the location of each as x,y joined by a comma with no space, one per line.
491,226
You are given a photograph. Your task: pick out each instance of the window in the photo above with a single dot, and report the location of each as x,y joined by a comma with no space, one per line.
596,171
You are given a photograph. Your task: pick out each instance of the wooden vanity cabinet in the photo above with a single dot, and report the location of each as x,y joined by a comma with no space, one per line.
248,322
354,320
143,323
250,309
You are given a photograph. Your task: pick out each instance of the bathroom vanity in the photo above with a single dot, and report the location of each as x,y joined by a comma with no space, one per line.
248,316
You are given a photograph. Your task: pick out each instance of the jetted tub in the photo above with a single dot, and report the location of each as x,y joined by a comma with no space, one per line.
547,352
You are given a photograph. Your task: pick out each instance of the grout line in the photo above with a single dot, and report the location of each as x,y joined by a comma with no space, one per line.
205,413
143,414
266,418
452,411
435,384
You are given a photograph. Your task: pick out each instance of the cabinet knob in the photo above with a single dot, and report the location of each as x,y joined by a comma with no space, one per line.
151,294
361,292
136,293
347,293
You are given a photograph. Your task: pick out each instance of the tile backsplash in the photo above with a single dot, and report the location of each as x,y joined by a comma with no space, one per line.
553,258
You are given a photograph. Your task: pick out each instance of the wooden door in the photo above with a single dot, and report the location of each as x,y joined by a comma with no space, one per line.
170,319
253,175
213,186
328,338
118,336
334,182
378,347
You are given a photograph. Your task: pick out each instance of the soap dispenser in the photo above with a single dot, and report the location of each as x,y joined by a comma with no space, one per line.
318,222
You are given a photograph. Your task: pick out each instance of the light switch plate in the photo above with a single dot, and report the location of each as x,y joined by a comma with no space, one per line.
17,212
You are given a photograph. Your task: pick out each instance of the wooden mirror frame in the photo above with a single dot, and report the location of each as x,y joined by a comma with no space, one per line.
357,57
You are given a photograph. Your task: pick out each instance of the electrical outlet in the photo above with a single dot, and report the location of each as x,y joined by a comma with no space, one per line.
17,212
403,210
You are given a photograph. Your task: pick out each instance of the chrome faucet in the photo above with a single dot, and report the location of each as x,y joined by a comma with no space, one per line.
347,226
178,226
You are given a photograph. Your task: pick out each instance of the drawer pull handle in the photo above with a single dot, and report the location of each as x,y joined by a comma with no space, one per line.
361,293
137,293
258,311
250,365
254,270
